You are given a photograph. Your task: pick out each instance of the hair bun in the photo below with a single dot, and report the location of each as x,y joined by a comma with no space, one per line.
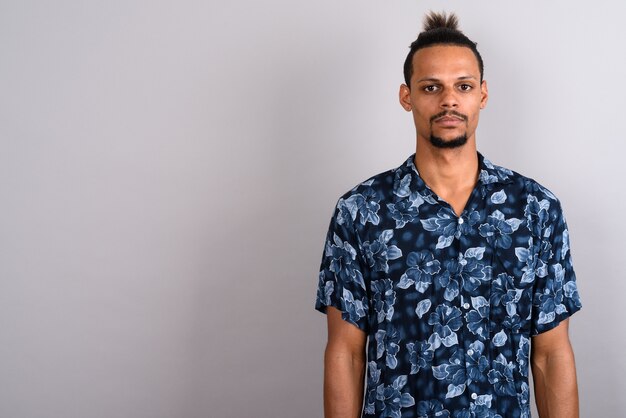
434,20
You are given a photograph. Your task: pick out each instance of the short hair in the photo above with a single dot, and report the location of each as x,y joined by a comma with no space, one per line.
440,29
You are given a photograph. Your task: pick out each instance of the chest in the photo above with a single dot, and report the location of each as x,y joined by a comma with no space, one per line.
430,239
457,200
421,254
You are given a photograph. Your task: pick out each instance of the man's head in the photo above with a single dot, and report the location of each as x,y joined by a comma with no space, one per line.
440,29
444,86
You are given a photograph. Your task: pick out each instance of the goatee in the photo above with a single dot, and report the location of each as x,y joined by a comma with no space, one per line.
452,143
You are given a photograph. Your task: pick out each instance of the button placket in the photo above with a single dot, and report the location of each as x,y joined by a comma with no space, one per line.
467,340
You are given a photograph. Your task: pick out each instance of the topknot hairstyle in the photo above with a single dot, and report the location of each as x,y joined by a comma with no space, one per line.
434,20
440,29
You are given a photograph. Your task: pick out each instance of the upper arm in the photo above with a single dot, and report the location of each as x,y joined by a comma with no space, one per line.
554,341
343,275
343,335
555,292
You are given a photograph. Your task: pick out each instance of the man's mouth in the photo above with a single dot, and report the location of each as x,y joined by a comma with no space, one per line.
449,118
449,121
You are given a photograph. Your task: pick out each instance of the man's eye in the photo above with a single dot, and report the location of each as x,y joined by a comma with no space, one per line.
465,87
430,89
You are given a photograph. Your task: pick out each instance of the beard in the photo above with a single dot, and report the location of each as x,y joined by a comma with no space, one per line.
439,142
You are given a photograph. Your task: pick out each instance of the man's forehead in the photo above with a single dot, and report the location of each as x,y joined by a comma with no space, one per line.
449,61
434,78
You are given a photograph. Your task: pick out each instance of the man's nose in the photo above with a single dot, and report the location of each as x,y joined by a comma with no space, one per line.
449,99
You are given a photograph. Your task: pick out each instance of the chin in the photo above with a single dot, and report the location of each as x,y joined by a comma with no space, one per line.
447,143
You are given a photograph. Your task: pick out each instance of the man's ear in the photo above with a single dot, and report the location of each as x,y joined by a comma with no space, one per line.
405,97
484,94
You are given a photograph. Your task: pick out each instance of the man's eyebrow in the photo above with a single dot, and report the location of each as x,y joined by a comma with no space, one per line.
432,79
466,77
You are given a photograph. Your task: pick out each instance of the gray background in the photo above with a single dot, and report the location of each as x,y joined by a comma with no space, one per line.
168,170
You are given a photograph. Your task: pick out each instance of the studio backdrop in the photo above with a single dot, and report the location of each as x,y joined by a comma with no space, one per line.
168,170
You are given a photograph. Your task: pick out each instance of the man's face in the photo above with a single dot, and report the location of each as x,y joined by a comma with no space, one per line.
445,96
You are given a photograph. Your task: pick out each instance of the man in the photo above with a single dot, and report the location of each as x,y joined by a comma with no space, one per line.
450,266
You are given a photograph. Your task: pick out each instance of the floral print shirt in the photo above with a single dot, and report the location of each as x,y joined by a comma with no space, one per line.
449,303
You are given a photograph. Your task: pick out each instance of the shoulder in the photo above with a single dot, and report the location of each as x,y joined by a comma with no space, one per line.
540,204
374,186
364,199
524,185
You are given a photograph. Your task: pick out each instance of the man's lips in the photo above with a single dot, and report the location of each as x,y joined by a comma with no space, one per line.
448,121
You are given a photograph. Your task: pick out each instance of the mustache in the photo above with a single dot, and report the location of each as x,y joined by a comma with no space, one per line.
448,113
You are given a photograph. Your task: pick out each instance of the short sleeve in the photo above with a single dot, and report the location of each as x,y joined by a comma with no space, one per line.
555,293
341,280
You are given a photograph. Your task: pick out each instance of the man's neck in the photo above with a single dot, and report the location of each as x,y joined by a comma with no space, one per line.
448,171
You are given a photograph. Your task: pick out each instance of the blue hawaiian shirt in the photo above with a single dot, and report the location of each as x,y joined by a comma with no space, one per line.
448,302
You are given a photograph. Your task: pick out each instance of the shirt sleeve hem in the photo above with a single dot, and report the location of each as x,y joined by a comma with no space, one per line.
560,318
344,315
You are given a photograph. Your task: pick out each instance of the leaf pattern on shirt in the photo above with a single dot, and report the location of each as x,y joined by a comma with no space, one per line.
448,302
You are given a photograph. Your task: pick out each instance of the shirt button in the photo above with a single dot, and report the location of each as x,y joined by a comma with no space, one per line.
466,305
460,221
470,352
474,396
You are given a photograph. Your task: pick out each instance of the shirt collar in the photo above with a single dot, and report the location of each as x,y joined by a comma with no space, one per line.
489,174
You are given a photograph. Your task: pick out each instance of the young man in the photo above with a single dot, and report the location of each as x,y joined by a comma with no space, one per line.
452,267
